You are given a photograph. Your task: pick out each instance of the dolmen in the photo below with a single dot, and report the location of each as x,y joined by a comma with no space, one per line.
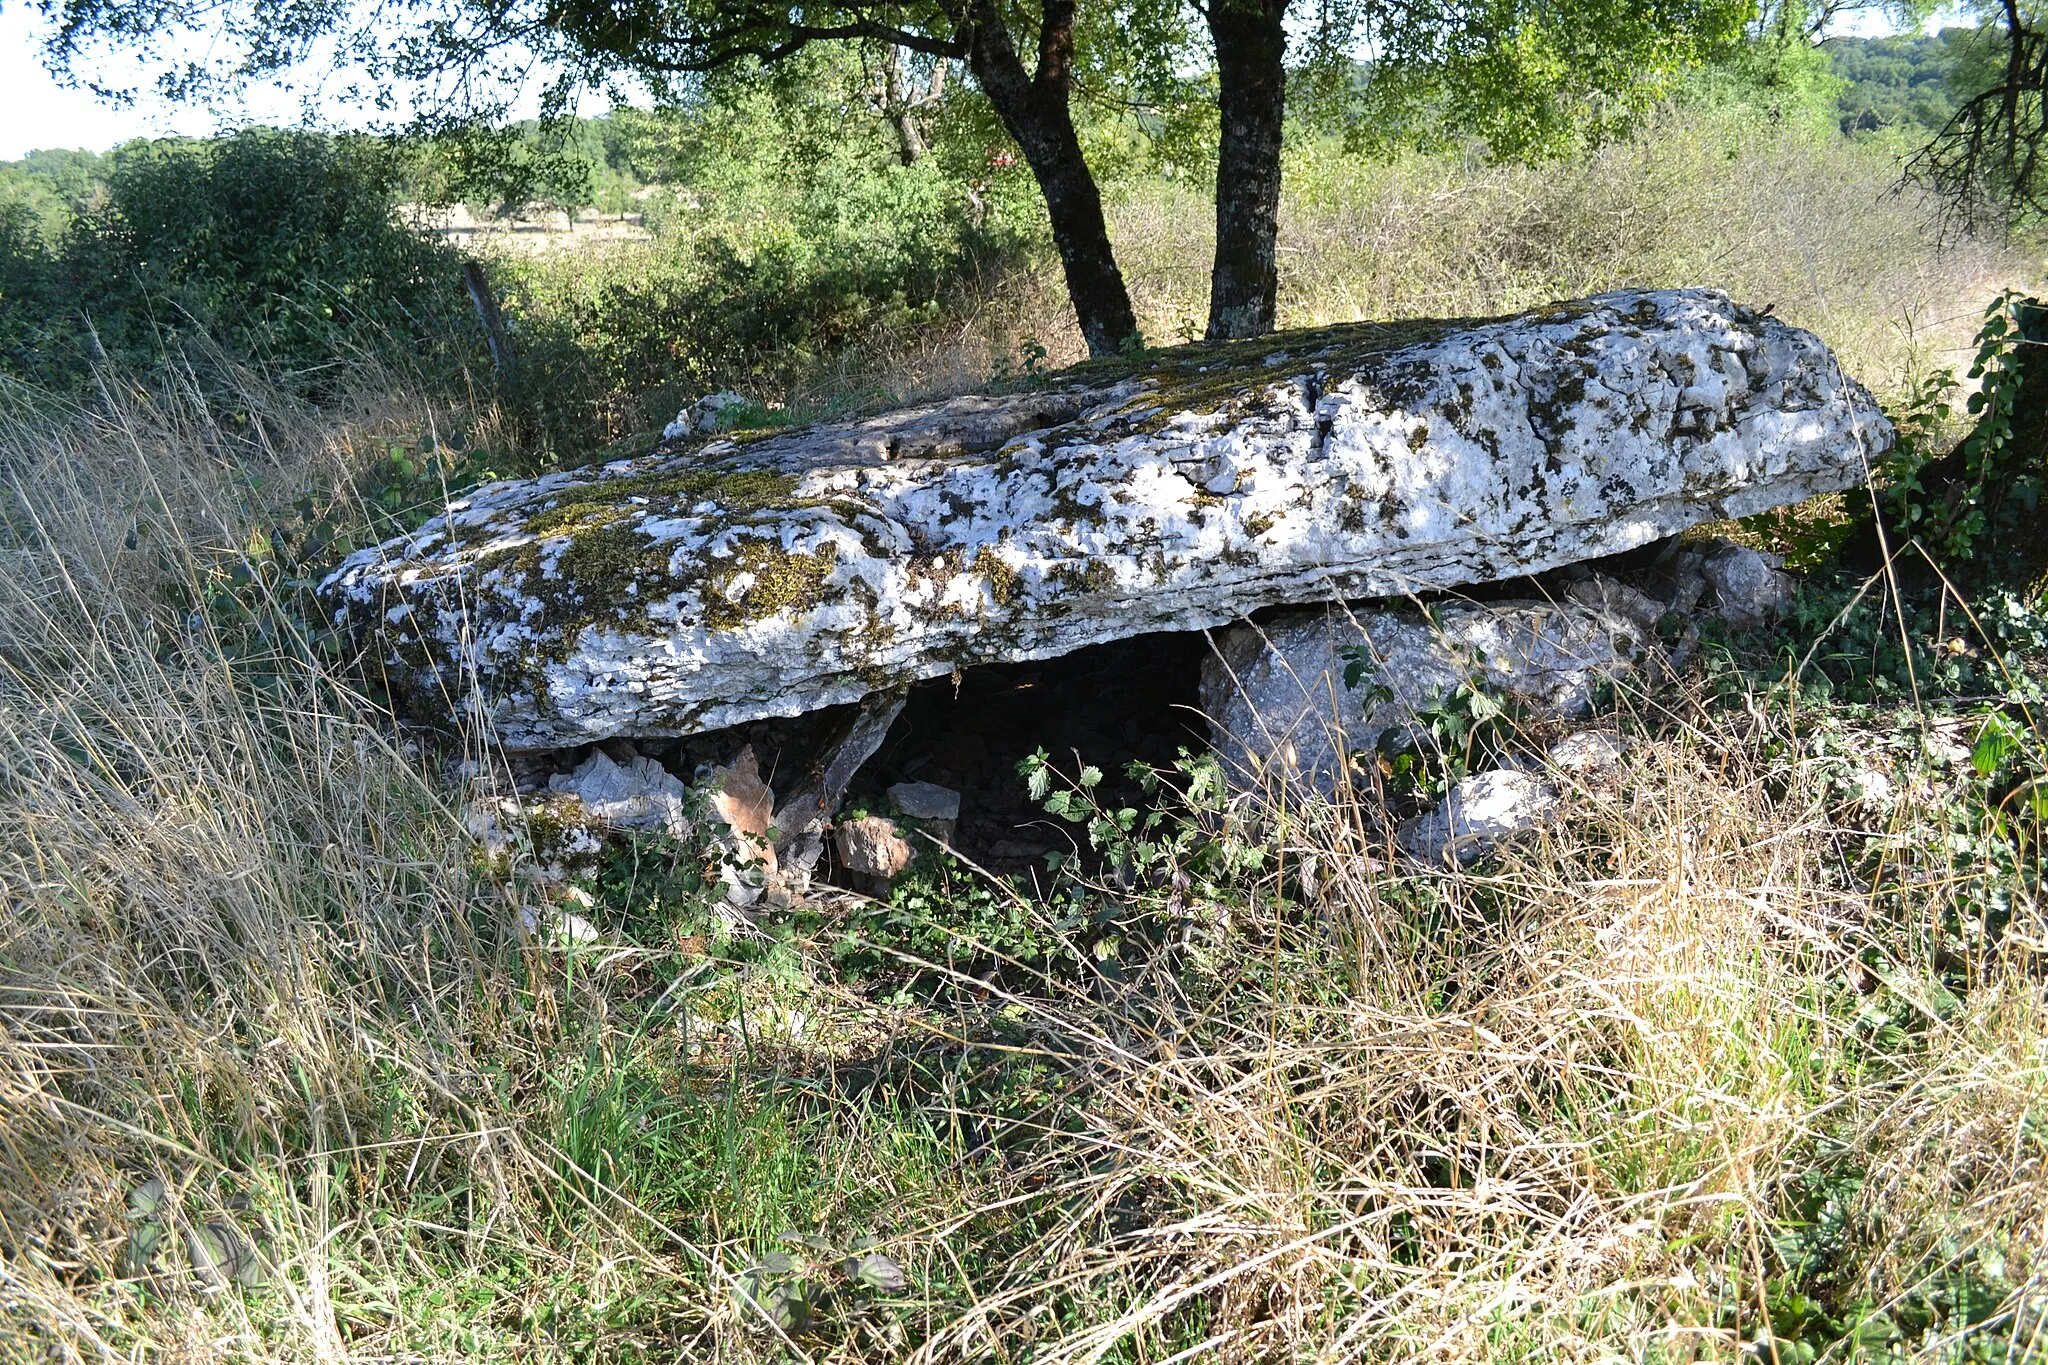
724,578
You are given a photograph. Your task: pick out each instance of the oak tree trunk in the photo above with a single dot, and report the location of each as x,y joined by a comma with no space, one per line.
1251,47
899,107
1033,108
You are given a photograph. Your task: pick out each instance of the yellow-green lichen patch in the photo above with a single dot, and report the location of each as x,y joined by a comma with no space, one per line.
1088,576
592,562
1005,584
603,571
1205,376
734,491
775,580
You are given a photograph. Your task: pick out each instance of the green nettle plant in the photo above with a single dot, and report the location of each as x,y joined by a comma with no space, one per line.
1979,501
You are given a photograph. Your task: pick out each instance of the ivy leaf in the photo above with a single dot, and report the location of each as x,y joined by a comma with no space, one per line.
143,1245
211,1247
1996,743
1037,774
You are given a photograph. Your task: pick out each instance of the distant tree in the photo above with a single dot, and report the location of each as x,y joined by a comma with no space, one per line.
48,184
1903,81
1524,76
1024,56
1989,161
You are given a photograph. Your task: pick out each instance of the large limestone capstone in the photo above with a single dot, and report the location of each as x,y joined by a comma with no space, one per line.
721,580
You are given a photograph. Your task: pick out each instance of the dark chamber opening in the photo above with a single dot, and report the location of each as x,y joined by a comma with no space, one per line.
1110,704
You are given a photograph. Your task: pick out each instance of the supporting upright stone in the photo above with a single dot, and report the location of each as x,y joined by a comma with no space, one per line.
801,820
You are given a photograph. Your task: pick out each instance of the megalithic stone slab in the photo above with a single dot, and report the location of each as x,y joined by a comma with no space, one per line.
720,581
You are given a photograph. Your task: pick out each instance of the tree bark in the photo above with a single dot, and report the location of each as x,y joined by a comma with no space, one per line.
901,109
1251,47
1033,108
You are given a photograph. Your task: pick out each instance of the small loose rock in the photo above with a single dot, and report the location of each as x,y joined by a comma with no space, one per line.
1749,586
872,846
926,800
1588,754
1480,813
640,794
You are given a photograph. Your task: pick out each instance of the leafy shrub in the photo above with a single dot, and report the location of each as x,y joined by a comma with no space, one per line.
29,302
1980,501
280,247
771,264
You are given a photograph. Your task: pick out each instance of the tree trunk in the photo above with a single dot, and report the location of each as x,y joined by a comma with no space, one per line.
1251,45
1034,110
901,110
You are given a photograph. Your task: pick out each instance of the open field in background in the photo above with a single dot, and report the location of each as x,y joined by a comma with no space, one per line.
1813,225
1754,1049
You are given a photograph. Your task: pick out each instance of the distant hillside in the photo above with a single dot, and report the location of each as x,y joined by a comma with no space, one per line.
45,184
1898,82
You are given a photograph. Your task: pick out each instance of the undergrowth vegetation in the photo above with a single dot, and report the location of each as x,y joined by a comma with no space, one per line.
1749,1055
1745,1059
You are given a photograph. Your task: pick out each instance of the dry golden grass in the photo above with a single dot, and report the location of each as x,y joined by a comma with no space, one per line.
1780,216
1568,1108
1563,1115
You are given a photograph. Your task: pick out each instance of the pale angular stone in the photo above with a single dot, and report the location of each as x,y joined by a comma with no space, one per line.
564,926
721,581
548,836
1280,711
1614,598
872,846
1874,790
640,794
745,807
705,416
1750,586
1588,753
1478,815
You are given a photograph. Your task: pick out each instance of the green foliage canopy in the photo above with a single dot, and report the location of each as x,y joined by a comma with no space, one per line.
280,246
1901,81
1525,77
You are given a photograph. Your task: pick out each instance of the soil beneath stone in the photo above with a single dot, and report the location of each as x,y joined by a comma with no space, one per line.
1108,705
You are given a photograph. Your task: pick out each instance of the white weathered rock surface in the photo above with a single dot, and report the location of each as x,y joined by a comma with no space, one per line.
640,794
1478,815
1279,709
738,578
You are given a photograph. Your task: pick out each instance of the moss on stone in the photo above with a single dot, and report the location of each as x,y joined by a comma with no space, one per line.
1205,376
1005,584
735,491
782,580
1090,575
